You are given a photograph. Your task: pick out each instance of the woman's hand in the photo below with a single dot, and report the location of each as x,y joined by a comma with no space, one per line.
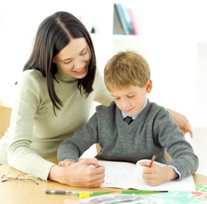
182,122
85,173
156,174
66,162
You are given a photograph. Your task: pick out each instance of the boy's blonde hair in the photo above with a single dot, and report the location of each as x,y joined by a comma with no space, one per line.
126,69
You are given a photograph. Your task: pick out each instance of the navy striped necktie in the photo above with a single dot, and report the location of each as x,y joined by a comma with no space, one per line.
128,119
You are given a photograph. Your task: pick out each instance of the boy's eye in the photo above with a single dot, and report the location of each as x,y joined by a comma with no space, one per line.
130,96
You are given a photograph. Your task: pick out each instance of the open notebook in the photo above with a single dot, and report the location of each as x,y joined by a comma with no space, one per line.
127,175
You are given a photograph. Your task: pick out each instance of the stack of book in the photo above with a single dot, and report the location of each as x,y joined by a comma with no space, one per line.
124,21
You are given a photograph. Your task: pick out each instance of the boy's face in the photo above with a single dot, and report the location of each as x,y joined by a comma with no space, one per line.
131,100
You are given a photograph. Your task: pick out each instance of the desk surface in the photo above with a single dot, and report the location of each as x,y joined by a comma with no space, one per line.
22,192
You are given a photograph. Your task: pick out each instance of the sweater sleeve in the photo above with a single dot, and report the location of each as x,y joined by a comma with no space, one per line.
72,148
20,154
171,137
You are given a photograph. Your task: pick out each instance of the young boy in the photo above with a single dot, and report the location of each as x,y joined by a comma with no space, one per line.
152,130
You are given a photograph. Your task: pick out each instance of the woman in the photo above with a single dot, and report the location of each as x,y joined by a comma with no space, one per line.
54,97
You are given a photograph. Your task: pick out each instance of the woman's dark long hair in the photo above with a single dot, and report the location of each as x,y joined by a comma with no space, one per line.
53,34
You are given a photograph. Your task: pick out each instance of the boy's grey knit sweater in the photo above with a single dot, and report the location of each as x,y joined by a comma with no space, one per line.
152,132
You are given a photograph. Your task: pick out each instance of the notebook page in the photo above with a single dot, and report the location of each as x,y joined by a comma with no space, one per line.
117,174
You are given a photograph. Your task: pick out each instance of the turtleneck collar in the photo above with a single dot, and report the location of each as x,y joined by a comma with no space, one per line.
60,76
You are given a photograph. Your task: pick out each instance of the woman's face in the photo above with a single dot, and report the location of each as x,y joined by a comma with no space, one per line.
73,59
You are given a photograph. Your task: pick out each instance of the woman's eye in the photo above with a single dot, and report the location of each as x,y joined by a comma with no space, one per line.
84,52
66,62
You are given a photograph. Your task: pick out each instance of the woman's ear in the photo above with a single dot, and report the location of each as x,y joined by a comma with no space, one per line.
149,86
53,60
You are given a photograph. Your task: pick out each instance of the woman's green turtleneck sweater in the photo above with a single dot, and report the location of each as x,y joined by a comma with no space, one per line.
35,131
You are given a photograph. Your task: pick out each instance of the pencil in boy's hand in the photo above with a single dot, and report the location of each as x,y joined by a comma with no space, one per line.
152,160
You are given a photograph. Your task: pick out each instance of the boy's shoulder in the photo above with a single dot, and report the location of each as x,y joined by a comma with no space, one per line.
109,107
157,109
156,106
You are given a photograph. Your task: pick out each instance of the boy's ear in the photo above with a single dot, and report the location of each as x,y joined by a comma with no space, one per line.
149,86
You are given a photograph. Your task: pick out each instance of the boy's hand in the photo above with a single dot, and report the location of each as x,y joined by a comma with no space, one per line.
157,175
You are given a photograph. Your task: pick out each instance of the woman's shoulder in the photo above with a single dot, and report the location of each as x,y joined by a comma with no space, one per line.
32,79
98,75
32,75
